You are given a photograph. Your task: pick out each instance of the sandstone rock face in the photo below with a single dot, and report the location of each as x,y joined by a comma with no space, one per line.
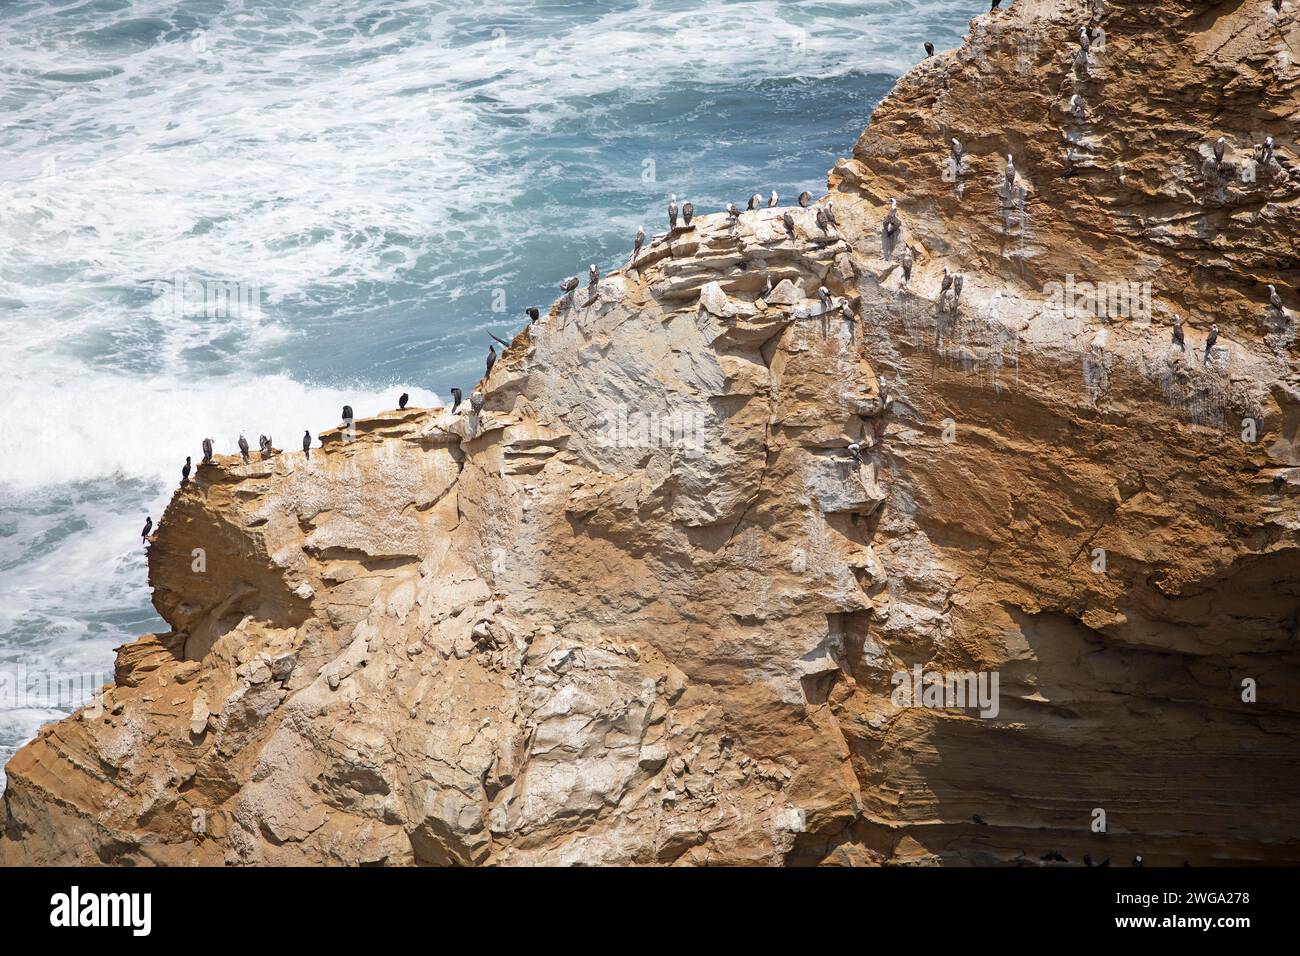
646,606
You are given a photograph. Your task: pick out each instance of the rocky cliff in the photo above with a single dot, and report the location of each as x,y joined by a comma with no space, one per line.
646,604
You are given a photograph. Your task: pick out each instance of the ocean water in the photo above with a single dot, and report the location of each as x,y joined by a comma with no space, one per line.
236,215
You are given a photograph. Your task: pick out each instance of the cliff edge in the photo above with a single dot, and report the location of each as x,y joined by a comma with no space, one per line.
651,601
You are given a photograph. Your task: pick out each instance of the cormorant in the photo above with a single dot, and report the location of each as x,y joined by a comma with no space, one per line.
890,229
402,400
306,443
148,526
456,397
688,212
491,360
929,48
347,413
185,470
533,313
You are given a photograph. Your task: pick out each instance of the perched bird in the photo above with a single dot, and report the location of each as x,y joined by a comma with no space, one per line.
568,286
805,198
830,213
890,229
1081,58
491,360
823,223
185,471
264,445
1177,336
980,820
148,526
207,450
1084,42
475,400
788,220
767,288
947,282
347,413
306,443
846,310
1274,300
533,313
1266,151
956,149
1011,171
243,448
856,451
996,4
456,397
771,200
907,266
957,281
593,279
929,48
1137,862
825,295
1076,106
672,213
402,400
688,212
1220,147
754,201
1209,342
637,242
733,215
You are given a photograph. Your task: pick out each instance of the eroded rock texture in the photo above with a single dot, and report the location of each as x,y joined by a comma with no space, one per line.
645,606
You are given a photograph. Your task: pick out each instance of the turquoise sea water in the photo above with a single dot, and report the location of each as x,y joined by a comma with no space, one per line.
235,215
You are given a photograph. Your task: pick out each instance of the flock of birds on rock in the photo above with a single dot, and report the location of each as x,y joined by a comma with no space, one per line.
891,233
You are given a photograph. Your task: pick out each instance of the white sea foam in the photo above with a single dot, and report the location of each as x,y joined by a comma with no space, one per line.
80,428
